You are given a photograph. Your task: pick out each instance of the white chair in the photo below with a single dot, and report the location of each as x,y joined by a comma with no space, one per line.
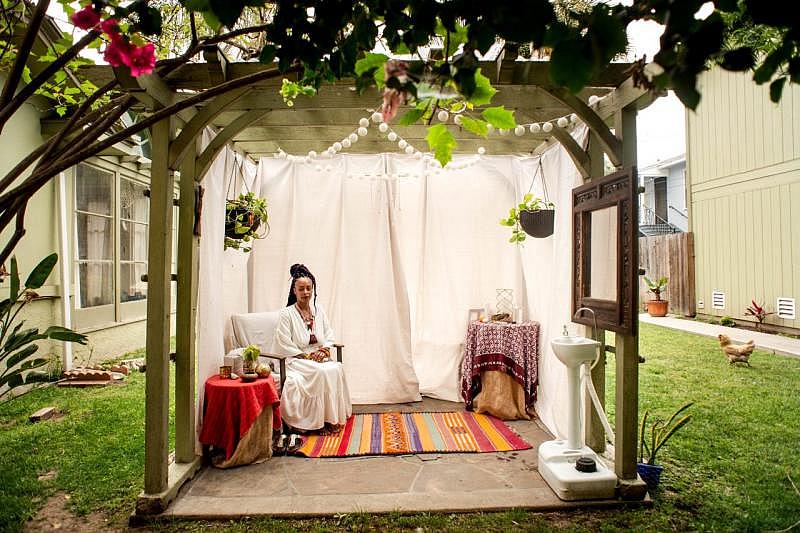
259,329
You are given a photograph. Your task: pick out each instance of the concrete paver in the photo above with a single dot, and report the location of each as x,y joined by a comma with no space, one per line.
767,342
453,482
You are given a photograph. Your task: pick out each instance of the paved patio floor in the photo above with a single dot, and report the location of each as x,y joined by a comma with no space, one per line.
298,486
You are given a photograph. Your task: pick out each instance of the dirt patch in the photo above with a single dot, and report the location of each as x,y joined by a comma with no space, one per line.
55,516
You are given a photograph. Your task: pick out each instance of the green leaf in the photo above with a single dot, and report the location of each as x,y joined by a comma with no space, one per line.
441,142
499,117
196,5
227,11
14,379
776,89
267,55
483,92
34,363
39,274
211,19
571,65
21,355
14,290
369,62
478,127
60,333
411,116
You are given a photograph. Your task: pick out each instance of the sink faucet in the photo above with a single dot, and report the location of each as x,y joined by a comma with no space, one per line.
581,310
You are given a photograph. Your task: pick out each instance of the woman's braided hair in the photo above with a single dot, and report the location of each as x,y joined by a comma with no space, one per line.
298,271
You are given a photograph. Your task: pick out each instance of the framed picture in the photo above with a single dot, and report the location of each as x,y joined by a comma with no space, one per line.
474,315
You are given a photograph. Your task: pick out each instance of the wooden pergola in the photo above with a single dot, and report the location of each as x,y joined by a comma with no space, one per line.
252,116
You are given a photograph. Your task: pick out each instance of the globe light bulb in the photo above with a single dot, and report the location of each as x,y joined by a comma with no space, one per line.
481,150
363,122
392,136
519,131
562,122
362,131
383,128
353,138
535,127
443,116
547,127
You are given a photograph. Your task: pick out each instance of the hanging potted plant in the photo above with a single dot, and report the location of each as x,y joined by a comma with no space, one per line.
657,307
652,439
244,216
533,216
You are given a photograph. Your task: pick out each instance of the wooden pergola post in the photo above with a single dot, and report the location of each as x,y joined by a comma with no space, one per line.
627,349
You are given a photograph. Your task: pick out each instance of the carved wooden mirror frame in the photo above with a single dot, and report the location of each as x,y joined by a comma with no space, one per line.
614,190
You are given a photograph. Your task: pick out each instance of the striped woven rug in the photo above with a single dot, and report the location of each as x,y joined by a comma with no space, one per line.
402,433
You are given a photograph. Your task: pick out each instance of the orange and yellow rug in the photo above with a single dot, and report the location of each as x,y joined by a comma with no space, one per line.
403,433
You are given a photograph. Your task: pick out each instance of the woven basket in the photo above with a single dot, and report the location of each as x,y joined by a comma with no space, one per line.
539,223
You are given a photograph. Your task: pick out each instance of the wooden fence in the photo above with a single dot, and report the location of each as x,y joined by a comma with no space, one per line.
671,256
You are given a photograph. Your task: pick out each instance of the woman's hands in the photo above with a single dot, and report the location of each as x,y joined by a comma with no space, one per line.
320,356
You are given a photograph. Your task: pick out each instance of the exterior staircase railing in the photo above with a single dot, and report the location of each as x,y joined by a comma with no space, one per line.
652,224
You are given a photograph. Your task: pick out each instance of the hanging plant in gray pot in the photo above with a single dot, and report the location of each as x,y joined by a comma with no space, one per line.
533,216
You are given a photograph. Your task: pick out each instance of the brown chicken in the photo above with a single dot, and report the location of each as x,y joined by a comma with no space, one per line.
736,353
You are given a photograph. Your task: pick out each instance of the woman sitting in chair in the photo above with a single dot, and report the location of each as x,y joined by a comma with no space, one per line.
315,394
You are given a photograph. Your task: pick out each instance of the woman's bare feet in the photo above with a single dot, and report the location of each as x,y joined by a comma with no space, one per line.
330,429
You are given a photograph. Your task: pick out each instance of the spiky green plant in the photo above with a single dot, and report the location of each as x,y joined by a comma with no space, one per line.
659,433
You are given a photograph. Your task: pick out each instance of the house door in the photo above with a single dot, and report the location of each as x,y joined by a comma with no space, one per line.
660,195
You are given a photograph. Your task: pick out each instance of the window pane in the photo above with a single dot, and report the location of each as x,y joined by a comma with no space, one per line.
94,190
133,241
131,286
95,238
134,205
96,284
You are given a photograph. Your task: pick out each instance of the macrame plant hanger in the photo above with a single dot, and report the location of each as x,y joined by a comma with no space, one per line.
539,223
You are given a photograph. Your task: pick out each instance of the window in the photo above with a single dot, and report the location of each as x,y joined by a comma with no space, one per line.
94,223
111,232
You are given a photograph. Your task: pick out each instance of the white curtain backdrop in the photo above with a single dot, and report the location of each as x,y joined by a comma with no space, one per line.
222,277
401,251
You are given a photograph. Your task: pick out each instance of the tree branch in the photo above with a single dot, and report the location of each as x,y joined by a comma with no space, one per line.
7,110
43,174
19,230
23,53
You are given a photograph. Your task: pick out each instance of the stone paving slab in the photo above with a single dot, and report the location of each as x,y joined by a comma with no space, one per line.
436,482
777,344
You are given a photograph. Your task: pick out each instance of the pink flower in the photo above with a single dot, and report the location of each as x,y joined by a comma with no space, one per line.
392,100
142,60
87,18
111,28
118,53
396,69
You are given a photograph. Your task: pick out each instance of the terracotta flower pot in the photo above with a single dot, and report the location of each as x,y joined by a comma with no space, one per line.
657,307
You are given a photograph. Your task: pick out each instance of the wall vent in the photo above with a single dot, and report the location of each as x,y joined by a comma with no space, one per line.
718,300
785,307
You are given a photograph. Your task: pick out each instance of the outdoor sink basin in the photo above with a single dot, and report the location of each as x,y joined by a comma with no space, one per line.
574,351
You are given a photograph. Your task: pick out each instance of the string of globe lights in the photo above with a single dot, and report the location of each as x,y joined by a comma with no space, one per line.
443,116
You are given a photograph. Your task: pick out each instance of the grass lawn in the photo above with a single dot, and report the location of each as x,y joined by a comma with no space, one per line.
726,471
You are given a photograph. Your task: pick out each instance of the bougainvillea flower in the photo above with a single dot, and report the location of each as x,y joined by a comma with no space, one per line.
111,28
118,53
86,19
392,100
142,60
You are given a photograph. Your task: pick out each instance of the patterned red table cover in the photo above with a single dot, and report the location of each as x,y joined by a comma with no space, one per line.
231,407
509,348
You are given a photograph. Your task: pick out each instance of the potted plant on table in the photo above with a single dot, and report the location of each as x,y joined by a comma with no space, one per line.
244,216
657,307
652,439
533,216
250,361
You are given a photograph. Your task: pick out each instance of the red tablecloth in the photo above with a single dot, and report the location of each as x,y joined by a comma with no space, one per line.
231,407
509,348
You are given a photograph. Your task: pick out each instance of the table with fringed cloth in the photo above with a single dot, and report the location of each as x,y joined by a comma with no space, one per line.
499,373
238,417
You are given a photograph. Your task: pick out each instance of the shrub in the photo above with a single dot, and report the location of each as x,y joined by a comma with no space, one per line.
727,321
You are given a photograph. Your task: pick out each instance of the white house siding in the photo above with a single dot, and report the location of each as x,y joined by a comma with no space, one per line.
743,155
19,137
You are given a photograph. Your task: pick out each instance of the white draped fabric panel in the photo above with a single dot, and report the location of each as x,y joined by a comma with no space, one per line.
547,264
222,277
400,256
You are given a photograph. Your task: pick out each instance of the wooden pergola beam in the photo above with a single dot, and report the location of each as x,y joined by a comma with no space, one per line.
223,137
579,157
611,145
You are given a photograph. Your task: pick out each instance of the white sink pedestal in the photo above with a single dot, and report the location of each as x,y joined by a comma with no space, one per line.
557,458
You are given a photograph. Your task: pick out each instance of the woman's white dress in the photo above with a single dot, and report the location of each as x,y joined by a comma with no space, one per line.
314,393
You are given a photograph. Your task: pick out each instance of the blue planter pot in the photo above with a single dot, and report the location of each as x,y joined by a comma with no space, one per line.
650,474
